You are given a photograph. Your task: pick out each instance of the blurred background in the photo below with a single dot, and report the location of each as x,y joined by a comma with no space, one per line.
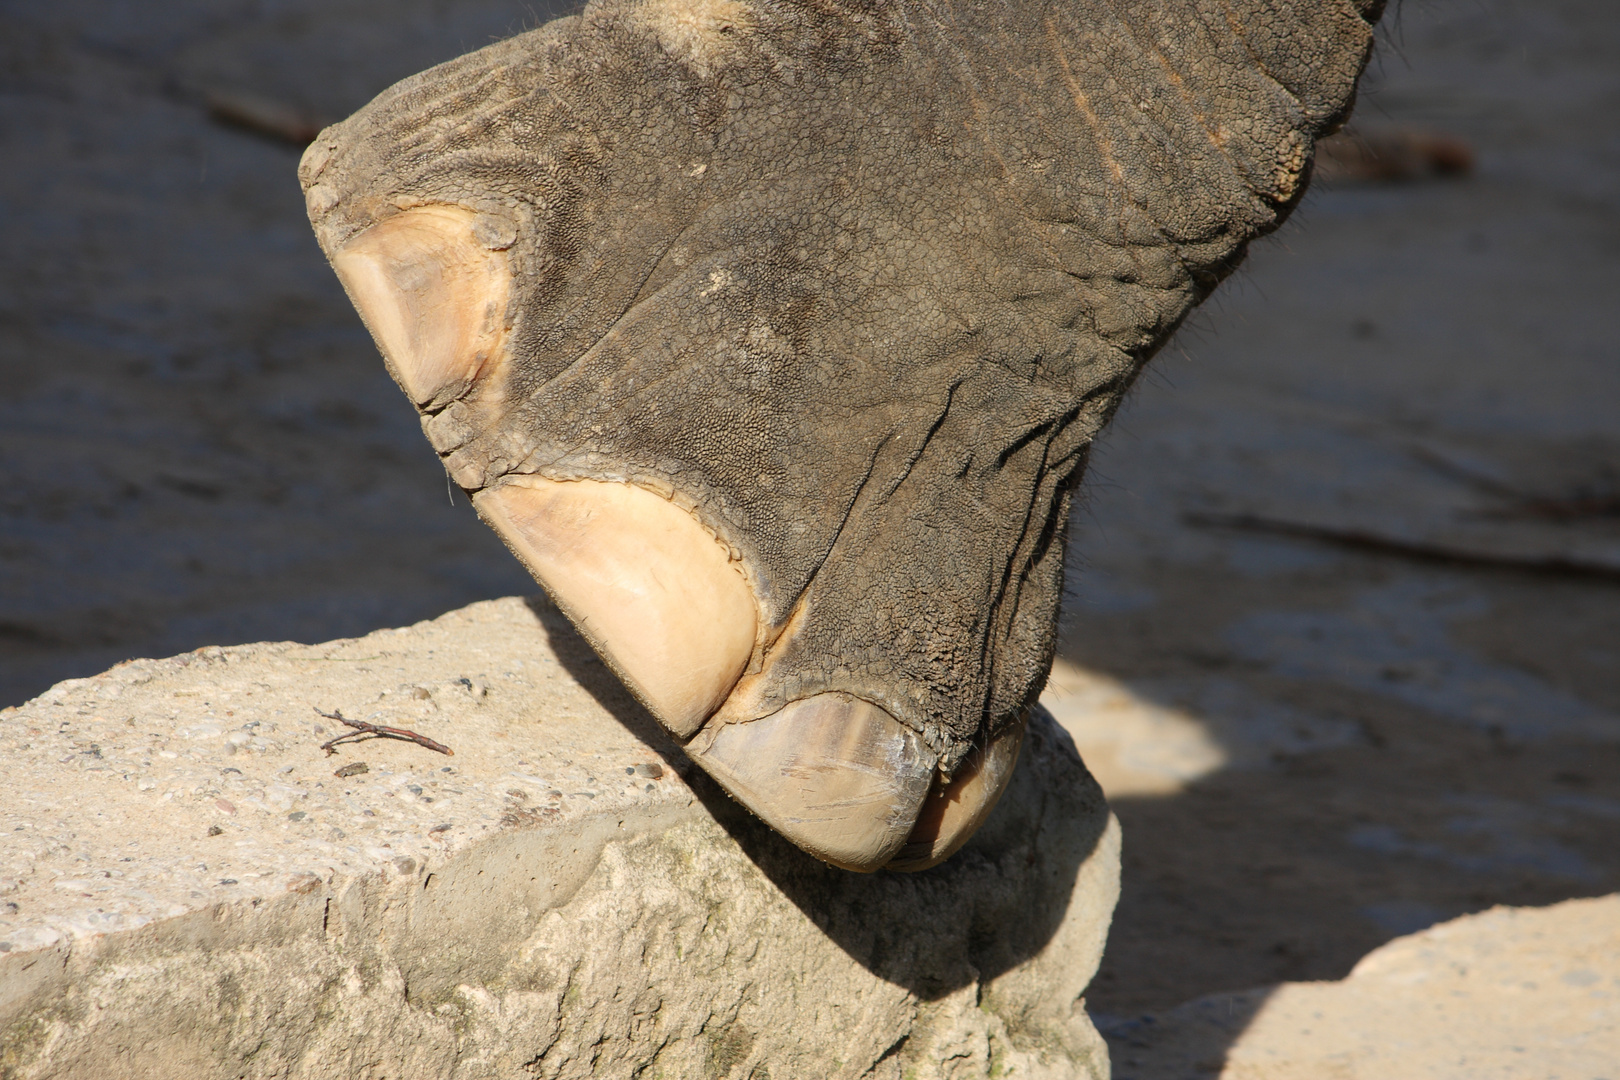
1343,642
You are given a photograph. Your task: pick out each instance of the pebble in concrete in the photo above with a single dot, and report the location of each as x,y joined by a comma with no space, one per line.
189,885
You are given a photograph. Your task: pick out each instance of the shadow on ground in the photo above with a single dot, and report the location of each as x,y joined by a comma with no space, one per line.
1347,815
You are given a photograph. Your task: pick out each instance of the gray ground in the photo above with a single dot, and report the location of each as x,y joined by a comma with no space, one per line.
1413,740
202,447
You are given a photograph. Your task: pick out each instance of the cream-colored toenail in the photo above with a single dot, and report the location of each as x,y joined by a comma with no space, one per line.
954,811
653,591
432,295
838,776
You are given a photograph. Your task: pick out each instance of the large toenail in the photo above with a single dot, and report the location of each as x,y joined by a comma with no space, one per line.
433,295
836,775
955,809
645,583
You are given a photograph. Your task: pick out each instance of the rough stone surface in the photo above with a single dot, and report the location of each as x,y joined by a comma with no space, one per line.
188,888
1510,994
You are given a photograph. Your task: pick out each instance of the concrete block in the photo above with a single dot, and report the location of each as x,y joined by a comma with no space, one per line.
190,886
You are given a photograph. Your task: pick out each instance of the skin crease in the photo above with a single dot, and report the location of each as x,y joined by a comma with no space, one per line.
854,284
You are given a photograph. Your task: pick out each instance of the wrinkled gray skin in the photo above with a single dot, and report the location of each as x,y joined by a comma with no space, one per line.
861,280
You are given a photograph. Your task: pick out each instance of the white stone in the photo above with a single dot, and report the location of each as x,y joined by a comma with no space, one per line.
188,889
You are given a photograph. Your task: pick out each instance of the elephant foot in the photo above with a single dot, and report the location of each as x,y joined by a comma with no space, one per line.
772,339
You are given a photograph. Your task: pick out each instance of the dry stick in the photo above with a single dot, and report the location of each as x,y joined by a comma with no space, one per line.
1412,549
1480,481
1574,508
1527,504
263,116
361,728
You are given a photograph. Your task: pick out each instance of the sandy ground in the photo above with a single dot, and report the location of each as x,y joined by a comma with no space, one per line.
1402,741
201,447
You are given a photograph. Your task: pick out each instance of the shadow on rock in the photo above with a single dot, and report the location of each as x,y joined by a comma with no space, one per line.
993,906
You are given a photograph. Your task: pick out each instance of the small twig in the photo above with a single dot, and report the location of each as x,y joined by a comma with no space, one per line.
1580,507
1391,156
362,729
1411,549
1584,504
263,116
1474,478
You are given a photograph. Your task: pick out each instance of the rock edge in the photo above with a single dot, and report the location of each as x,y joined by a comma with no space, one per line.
188,887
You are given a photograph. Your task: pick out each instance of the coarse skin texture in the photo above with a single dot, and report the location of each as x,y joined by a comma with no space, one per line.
856,282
